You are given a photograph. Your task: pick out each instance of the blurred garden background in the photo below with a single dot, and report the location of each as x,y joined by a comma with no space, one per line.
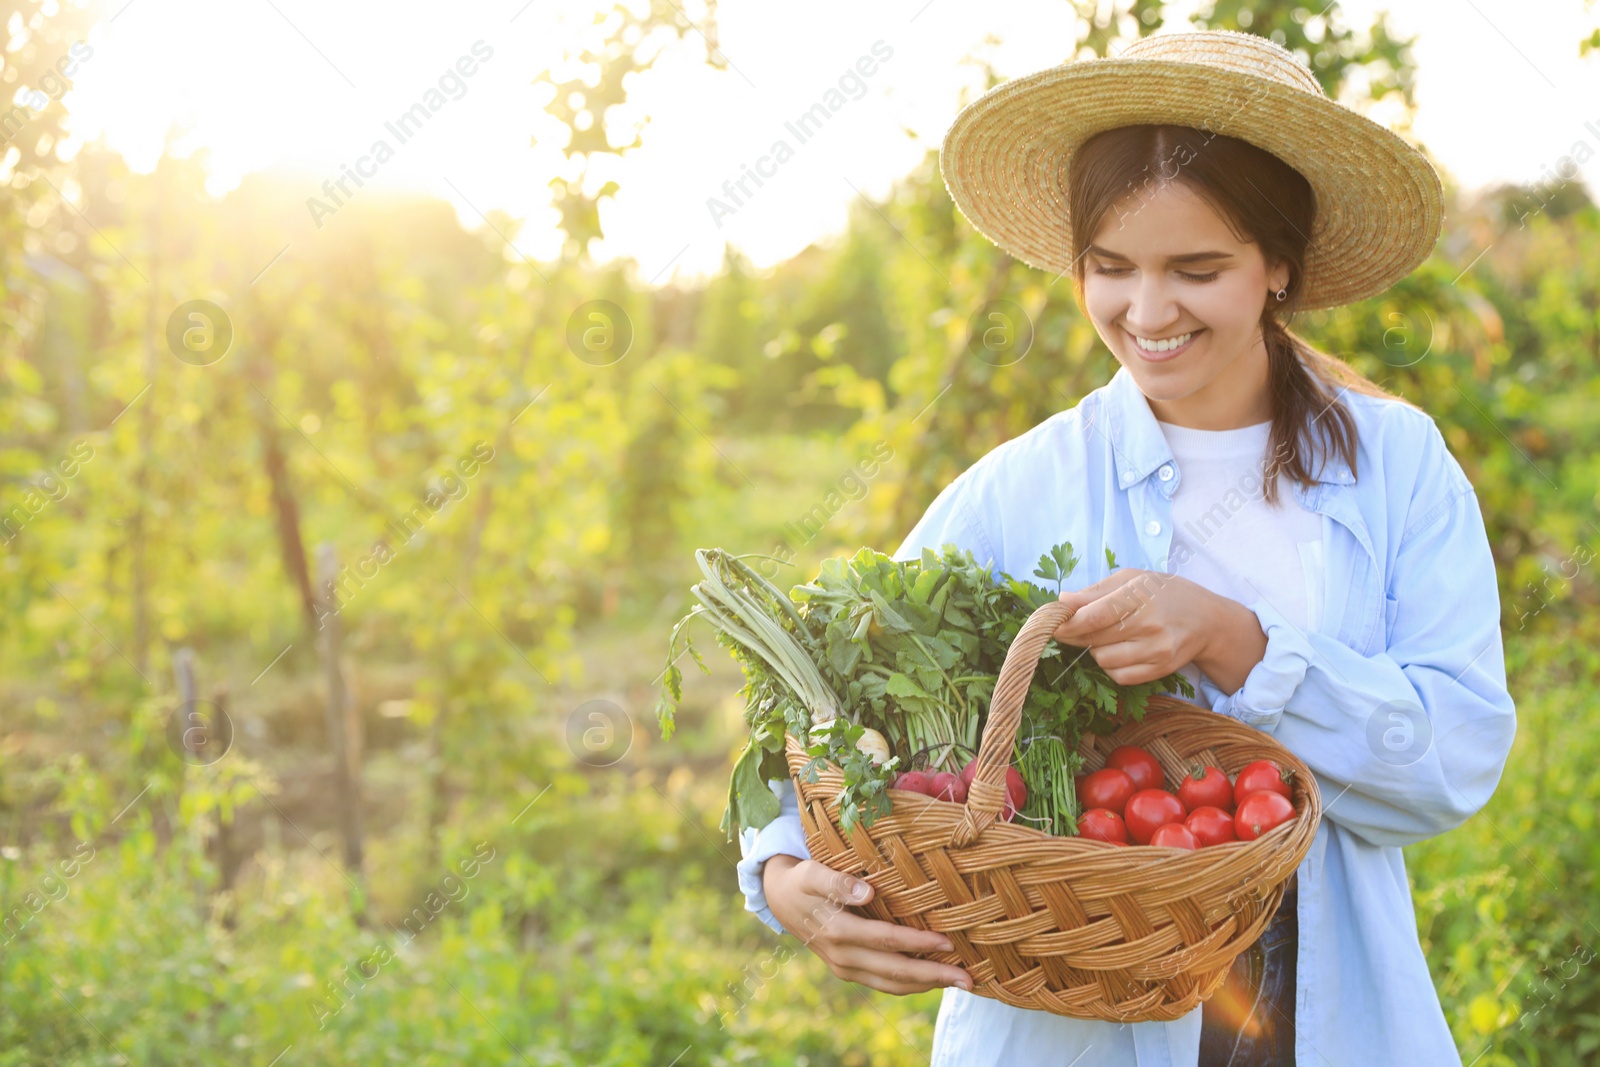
337,573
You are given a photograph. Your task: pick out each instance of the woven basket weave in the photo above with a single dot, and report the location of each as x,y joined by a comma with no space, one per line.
1070,925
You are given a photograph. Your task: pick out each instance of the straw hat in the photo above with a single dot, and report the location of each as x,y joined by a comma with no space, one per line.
1379,201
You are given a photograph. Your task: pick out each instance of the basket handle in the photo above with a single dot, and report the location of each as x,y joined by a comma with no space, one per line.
987,793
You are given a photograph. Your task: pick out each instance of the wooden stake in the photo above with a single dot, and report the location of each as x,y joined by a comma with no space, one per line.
346,769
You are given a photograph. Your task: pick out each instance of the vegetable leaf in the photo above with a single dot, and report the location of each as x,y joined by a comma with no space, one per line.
750,802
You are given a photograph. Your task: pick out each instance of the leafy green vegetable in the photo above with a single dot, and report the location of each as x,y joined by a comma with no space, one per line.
863,797
747,791
912,649
1058,563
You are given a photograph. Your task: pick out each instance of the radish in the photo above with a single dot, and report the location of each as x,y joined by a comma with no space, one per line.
947,786
874,745
1016,789
914,782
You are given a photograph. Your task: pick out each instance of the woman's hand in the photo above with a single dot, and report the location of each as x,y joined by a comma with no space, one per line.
809,900
1142,625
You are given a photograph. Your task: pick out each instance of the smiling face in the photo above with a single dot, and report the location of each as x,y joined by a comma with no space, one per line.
1145,281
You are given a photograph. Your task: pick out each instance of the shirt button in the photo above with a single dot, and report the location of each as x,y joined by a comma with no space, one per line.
1127,476
1152,527
1165,472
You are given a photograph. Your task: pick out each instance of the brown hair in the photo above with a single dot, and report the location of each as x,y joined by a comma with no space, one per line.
1264,200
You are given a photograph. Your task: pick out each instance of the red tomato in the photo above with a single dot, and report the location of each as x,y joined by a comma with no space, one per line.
1262,774
1174,835
1098,824
1136,763
1211,789
1106,788
947,786
913,782
1211,826
1260,812
1149,809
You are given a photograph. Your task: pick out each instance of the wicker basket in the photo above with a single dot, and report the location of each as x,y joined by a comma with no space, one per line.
1070,925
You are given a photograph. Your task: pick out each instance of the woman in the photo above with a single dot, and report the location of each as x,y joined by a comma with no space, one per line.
1299,542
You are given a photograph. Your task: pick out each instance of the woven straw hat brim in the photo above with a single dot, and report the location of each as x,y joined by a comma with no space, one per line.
1379,201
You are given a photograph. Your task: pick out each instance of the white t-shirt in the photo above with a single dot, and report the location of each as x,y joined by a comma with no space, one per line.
1238,545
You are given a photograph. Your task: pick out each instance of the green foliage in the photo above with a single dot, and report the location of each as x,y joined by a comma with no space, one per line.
130,960
621,42
1058,563
1321,36
1505,903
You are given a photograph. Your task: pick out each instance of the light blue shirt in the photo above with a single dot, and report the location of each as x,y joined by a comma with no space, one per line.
1397,701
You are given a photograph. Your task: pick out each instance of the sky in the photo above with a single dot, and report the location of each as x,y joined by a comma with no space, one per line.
306,87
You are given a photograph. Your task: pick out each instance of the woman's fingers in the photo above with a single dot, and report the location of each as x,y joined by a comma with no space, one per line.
869,951
823,881
1114,654
853,930
835,886
891,972
871,946
1096,622
821,897
884,985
